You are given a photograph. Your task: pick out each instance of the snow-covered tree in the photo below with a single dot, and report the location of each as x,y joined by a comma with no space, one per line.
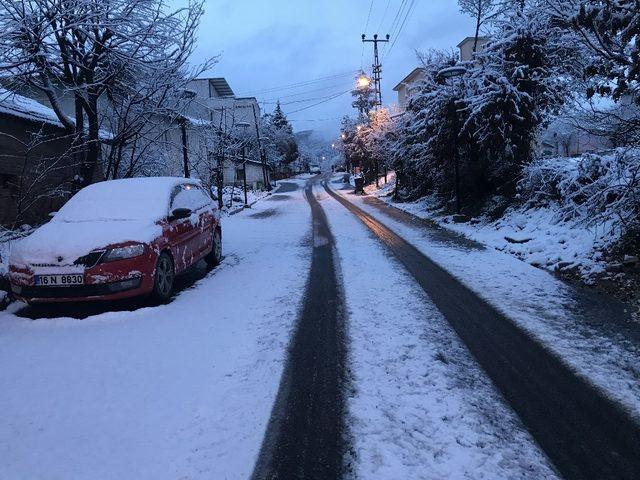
353,145
610,29
84,49
517,86
426,135
364,97
282,147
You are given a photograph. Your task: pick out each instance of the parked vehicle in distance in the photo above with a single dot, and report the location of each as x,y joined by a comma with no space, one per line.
314,169
340,169
118,239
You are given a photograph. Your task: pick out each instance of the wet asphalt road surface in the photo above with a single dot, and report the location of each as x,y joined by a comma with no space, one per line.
584,434
305,437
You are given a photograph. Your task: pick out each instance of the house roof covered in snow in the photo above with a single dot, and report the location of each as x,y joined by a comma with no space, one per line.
26,108
29,109
409,78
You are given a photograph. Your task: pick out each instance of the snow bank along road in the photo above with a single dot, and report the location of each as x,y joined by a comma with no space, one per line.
583,432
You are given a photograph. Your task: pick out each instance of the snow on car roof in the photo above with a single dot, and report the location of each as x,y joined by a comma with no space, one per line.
126,199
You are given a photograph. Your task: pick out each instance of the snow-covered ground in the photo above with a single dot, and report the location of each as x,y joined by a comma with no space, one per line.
544,232
569,322
233,198
535,236
420,407
183,390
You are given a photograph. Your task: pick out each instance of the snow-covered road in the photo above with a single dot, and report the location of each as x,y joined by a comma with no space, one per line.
177,391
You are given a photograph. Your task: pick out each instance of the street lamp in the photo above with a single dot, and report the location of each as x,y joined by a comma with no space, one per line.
442,76
363,82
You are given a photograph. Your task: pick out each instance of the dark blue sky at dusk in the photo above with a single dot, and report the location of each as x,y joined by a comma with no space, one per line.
265,45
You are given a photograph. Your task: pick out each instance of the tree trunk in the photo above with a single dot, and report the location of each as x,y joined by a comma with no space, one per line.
478,22
79,145
93,141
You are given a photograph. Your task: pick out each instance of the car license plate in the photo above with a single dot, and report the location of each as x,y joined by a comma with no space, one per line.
60,280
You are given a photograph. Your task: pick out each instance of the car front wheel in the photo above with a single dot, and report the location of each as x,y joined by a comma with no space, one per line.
214,257
164,277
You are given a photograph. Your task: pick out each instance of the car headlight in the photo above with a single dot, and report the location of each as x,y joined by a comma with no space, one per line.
122,253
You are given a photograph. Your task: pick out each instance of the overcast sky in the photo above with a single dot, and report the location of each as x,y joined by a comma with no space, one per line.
268,44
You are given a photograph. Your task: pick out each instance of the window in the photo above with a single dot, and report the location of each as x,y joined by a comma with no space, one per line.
189,196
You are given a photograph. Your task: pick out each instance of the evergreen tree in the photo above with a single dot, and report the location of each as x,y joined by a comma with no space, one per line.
284,151
364,98
279,120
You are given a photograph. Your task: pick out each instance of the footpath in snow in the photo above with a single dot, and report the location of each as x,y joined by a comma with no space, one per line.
420,407
592,334
183,390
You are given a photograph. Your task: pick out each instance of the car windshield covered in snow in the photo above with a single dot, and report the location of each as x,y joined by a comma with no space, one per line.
129,199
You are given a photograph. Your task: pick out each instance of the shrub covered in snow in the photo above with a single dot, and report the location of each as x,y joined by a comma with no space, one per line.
594,189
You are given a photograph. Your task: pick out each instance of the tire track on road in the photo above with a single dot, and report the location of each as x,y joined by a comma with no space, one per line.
305,437
584,433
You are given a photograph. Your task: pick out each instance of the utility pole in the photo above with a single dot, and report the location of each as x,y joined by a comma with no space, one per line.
377,68
244,174
220,162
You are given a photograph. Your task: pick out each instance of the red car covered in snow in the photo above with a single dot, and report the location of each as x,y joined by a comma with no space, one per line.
118,239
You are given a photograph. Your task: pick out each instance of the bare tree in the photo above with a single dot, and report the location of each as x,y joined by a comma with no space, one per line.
82,49
482,11
42,168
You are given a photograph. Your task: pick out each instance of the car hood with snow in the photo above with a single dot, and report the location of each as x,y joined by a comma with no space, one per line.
99,216
64,242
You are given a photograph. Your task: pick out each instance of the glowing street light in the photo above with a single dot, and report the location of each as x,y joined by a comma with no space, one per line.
363,82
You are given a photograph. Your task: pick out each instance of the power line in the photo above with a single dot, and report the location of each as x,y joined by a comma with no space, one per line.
280,97
300,84
304,100
397,17
396,22
319,103
411,5
384,15
315,119
365,29
368,16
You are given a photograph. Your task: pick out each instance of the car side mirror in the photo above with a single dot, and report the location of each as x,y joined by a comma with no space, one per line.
179,213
